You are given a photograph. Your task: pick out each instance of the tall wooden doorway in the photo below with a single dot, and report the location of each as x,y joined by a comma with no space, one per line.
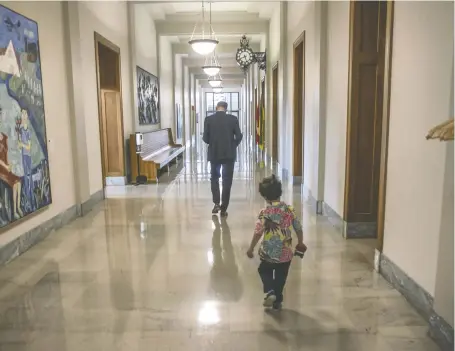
275,134
368,115
299,107
108,74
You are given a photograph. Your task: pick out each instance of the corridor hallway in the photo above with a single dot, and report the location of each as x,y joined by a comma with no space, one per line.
149,269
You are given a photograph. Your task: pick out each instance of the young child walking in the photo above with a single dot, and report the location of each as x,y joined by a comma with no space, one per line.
275,225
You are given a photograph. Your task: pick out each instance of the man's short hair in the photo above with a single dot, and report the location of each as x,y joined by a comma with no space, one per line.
222,104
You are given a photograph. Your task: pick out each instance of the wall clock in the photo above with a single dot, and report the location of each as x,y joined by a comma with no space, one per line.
245,56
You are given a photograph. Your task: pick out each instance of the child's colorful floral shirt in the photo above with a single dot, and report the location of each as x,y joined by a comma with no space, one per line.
276,224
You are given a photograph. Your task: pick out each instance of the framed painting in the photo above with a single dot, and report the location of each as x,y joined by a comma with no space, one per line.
147,97
24,163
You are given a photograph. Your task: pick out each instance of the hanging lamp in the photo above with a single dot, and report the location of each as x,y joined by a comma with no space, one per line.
204,45
211,66
215,81
218,90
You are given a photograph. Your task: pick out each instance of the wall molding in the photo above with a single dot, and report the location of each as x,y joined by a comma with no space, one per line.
92,201
439,330
349,230
315,205
27,240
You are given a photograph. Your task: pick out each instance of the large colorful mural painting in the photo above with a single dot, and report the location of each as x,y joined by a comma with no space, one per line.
24,167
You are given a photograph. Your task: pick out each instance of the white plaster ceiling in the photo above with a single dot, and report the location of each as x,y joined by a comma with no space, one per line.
220,10
176,21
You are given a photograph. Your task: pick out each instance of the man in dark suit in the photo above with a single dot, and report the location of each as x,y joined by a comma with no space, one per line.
222,134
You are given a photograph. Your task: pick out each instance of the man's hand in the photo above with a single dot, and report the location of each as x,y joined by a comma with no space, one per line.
250,253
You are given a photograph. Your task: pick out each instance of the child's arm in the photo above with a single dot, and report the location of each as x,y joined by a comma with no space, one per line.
297,227
258,232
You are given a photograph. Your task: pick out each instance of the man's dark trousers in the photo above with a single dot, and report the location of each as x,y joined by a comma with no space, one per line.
227,168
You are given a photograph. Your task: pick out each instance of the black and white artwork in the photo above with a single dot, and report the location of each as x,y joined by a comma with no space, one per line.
148,97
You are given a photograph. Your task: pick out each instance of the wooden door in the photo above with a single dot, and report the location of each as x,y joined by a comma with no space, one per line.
365,109
275,134
299,105
112,136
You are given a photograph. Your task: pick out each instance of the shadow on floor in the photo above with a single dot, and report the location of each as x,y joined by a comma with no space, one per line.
297,331
224,276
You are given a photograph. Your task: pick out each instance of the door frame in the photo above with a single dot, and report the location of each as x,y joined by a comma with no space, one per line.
99,39
275,122
382,186
300,41
385,125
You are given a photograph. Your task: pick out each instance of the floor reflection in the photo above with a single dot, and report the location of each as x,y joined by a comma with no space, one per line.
225,282
150,269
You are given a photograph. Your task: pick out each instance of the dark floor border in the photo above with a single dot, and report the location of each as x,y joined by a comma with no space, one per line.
32,237
349,230
440,331
88,205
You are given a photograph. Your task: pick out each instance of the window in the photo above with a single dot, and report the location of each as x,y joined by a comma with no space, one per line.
232,99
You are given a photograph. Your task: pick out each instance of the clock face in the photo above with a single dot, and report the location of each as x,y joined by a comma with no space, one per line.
244,56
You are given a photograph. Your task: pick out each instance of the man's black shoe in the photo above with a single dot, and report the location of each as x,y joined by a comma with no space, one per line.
216,209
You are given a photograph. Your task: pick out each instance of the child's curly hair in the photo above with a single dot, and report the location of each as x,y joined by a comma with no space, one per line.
270,188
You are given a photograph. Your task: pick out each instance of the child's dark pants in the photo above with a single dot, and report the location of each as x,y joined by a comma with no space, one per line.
273,281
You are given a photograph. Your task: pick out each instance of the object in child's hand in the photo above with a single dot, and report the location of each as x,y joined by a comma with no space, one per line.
300,250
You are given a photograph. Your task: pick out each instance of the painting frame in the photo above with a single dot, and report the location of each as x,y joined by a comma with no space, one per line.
148,97
30,191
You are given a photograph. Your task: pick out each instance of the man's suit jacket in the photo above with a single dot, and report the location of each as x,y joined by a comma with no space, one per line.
222,134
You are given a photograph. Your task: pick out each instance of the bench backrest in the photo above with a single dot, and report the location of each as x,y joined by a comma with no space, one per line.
155,141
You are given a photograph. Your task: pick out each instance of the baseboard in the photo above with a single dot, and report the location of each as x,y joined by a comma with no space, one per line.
92,201
349,230
315,205
296,180
116,181
441,332
420,299
32,237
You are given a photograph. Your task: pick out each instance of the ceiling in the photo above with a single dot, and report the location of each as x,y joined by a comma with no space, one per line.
228,9
176,21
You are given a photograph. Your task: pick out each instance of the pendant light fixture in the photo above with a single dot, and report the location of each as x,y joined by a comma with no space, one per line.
218,90
211,66
204,45
215,81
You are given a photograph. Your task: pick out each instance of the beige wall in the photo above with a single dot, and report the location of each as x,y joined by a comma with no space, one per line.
145,38
56,105
302,18
186,103
420,98
178,85
336,103
166,76
110,19
443,294
273,56
143,47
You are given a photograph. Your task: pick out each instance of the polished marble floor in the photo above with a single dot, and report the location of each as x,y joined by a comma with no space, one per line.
150,269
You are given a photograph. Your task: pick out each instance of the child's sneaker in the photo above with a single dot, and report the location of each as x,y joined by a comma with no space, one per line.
269,299
277,306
